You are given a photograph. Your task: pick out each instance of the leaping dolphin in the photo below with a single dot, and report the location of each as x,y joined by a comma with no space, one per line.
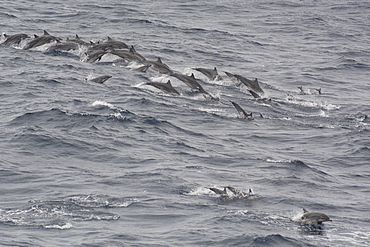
165,87
100,79
14,39
63,46
190,81
41,40
93,56
160,66
129,56
242,113
313,218
194,85
251,85
109,44
79,41
211,74
143,68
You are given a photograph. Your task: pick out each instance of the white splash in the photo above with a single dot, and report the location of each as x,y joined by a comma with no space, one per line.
103,103
63,227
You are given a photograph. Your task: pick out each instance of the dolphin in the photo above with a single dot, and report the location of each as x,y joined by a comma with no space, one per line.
94,55
223,192
211,74
232,76
251,85
242,113
138,55
143,68
14,39
313,218
63,46
236,193
41,40
79,41
318,90
160,66
109,44
190,81
165,87
129,56
100,79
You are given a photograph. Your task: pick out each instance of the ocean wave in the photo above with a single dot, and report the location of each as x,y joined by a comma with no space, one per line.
278,240
61,213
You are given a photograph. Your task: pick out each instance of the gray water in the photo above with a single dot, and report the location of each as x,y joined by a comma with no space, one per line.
124,164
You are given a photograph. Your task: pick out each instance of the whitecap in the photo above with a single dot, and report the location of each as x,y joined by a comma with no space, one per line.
62,227
103,103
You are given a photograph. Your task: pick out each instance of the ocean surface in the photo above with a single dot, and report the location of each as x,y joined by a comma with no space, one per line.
125,164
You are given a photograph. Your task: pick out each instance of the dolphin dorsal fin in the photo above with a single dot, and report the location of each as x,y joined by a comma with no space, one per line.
132,49
215,69
77,37
192,75
169,82
109,38
6,36
305,210
256,80
159,60
46,33
35,35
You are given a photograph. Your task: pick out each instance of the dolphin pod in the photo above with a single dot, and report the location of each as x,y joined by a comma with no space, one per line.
94,53
91,52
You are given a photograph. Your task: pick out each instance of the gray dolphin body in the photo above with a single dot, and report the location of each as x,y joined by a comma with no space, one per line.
165,87
101,79
109,45
211,74
251,85
94,55
313,218
143,68
14,39
160,66
63,46
79,41
129,55
242,113
190,81
41,40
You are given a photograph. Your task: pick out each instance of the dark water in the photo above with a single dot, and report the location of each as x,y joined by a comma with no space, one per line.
123,164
